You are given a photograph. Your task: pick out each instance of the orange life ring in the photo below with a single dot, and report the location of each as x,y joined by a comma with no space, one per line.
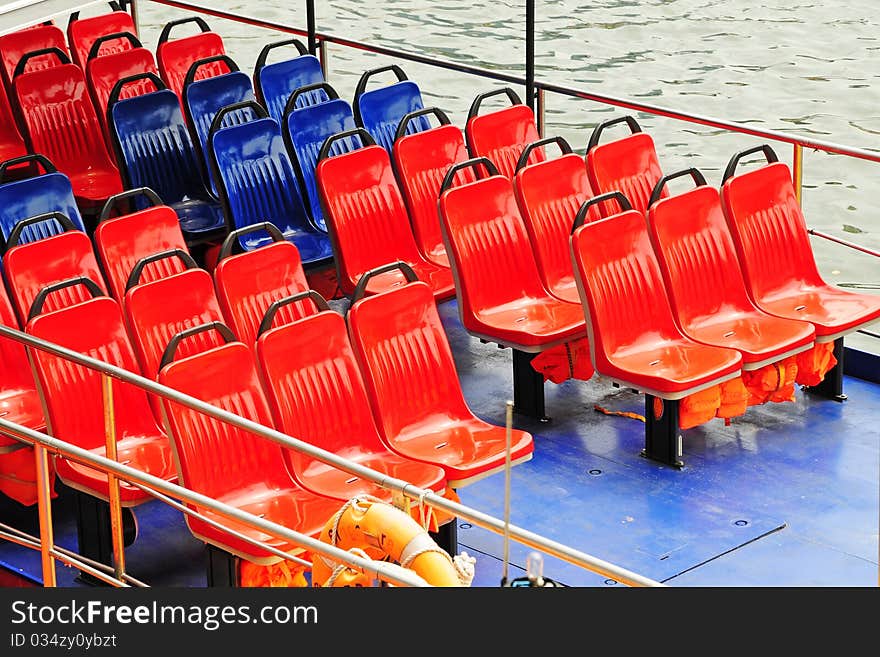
372,528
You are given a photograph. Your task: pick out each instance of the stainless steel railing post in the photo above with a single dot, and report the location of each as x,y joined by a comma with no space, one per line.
44,509
112,481
797,172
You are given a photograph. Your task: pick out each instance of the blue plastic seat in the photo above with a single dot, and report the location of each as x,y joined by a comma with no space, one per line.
42,194
380,110
274,83
305,131
202,99
154,150
257,184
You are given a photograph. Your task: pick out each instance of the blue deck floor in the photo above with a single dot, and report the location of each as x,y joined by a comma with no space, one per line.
787,495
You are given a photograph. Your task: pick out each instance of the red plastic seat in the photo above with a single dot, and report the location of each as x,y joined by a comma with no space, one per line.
367,219
500,294
11,142
64,263
501,135
175,56
15,45
234,466
61,123
704,281
249,283
74,399
414,390
549,194
83,32
773,247
335,414
421,161
122,242
19,401
634,338
628,165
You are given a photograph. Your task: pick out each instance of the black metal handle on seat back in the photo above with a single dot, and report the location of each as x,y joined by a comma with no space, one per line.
60,54
35,158
449,178
114,6
217,121
221,328
117,199
264,53
39,300
269,317
412,116
581,215
564,147
63,220
507,91
366,140
299,91
113,98
137,271
769,153
634,127
198,20
361,287
190,76
232,239
699,181
116,36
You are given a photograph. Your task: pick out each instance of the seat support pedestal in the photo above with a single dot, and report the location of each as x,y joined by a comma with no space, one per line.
222,567
94,535
662,435
528,387
446,537
831,386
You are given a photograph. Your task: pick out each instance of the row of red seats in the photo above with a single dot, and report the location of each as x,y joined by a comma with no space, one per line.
253,340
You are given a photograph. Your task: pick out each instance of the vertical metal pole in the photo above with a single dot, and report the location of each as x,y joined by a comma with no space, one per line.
530,53
323,57
541,111
44,509
310,24
112,482
135,18
509,425
797,172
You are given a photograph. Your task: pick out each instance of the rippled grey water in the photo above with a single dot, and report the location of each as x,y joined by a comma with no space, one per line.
808,68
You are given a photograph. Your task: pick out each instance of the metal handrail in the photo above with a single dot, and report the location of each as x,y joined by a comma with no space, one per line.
405,488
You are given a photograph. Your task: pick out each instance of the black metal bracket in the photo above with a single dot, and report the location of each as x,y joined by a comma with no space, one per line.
221,567
662,434
831,386
446,537
94,535
528,387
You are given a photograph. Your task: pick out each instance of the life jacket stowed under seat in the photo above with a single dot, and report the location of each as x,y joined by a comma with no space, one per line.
566,361
813,364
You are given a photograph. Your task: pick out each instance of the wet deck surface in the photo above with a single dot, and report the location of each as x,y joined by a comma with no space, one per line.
787,495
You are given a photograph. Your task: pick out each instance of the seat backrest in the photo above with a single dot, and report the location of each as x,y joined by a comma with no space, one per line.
255,178
486,240
16,377
60,118
63,258
306,128
73,392
122,242
153,145
213,457
248,283
502,134
620,284
175,56
275,82
105,72
405,359
421,161
11,142
767,225
26,198
204,98
157,311
364,210
16,45
334,414
83,32
549,195
380,110
695,252
628,165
